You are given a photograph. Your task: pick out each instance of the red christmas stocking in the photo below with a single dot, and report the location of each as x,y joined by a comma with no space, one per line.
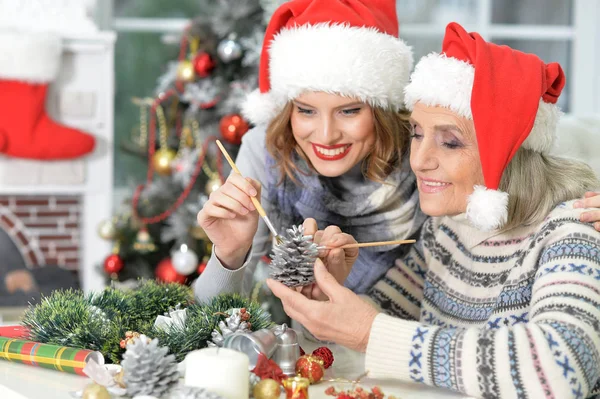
28,63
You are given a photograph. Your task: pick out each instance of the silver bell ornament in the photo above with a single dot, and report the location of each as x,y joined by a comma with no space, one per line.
185,261
252,344
287,351
229,49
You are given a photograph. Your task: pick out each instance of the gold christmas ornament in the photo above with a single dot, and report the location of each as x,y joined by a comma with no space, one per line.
95,391
267,389
161,161
185,71
143,242
213,185
107,230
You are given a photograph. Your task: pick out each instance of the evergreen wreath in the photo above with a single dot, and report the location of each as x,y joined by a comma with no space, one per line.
99,321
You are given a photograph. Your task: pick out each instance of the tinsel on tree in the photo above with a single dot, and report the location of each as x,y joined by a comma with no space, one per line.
196,101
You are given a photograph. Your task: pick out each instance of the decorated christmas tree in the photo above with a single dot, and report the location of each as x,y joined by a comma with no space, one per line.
196,101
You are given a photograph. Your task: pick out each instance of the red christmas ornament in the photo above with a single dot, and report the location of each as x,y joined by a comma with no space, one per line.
325,355
266,368
310,367
166,272
302,353
233,127
113,264
203,64
202,267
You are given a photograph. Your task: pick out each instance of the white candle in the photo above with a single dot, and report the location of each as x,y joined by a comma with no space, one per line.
219,370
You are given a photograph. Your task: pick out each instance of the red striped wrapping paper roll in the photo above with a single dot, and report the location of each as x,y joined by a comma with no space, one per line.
61,358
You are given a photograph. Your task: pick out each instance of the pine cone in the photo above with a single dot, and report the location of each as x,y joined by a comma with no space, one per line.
294,259
148,370
186,392
233,324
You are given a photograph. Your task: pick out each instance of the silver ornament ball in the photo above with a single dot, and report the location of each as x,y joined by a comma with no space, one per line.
185,261
229,50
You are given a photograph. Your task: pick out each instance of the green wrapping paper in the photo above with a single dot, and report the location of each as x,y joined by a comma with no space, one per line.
61,358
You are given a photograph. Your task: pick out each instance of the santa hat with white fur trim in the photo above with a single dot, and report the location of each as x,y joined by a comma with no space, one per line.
347,47
510,96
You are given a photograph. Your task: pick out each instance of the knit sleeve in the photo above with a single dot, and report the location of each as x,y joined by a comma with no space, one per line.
400,291
251,162
555,354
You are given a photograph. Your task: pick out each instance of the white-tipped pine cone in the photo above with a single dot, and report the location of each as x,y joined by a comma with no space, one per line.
294,259
237,322
186,392
148,369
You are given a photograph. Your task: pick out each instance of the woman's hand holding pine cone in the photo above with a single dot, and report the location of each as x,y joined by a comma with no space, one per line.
338,261
230,220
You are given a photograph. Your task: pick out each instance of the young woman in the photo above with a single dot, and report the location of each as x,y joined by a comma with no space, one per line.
329,142
500,297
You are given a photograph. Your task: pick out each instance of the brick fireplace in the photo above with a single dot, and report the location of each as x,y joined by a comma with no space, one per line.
45,228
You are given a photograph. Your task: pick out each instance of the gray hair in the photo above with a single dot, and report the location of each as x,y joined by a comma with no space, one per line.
536,183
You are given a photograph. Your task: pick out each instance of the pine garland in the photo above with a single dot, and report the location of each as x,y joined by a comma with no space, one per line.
99,321
67,318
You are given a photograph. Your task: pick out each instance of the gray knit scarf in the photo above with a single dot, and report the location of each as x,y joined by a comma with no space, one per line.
367,210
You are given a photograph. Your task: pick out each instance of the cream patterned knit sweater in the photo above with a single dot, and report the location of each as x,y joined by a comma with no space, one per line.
515,315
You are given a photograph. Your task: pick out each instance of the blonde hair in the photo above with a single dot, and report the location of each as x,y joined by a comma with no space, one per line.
536,183
391,141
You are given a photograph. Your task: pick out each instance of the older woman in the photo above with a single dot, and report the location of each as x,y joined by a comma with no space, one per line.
500,298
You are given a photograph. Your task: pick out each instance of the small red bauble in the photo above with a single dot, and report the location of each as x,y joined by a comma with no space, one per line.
203,64
201,267
113,264
166,272
325,354
233,127
310,367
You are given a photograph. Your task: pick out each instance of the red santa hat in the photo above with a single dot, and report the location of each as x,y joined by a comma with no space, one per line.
510,96
347,47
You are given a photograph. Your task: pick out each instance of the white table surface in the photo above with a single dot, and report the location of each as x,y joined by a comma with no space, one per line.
19,381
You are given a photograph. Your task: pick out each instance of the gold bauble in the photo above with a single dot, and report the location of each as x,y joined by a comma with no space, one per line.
185,71
107,230
95,391
143,242
162,160
213,185
267,389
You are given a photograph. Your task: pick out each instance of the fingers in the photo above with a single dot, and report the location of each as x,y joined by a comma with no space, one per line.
592,200
317,237
257,186
597,226
329,233
310,227
233,196
307,291
326,282
212,211
294,303
590,216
